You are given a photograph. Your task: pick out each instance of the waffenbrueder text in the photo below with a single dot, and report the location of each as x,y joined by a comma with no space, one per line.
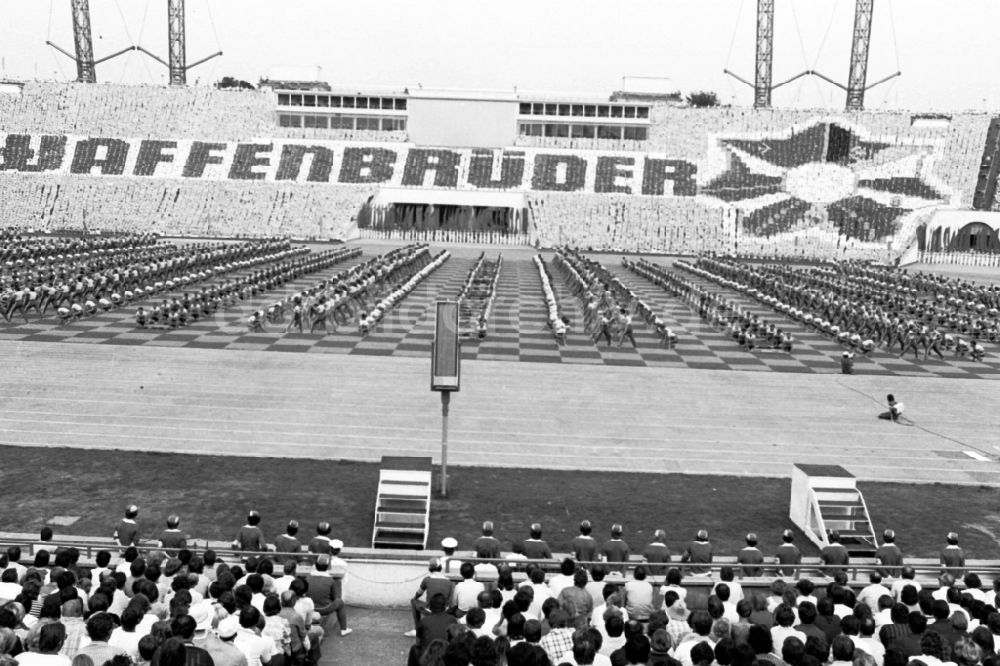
351,163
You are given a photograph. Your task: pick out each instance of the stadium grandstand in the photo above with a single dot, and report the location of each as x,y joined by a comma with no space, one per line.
219,310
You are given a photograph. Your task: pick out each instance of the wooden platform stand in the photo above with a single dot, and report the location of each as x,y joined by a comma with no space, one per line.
826,498
403,503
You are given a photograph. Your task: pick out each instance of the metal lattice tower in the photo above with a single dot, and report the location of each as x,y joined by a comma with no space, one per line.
85,70
857,77
765,54
175,40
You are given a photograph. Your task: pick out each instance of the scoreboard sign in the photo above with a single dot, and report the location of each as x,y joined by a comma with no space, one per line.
445,358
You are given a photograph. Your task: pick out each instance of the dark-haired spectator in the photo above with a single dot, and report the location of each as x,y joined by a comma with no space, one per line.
898,629
434,625
827,620
467,590
758,612
677,616
255,647
559,640
702,654
741,627
807,621
906,579
125,636
701,628
842,650
909,643
793,651
99,628
278,630
184,627
932,649
613,634
871,593
51,637
762,644
784,618
576,601
818,649
727,575
639,595
172,652
637,651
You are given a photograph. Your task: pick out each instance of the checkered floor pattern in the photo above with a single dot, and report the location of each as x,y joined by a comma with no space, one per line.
517,331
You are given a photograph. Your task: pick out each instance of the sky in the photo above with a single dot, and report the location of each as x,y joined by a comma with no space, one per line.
945,49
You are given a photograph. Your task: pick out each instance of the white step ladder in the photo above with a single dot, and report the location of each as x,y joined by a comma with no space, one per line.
403,503
826,498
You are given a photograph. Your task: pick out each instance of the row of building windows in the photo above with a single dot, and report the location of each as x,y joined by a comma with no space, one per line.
567,130
342,101
584,110
341,122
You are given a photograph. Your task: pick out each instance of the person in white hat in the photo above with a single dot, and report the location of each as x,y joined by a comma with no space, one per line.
449,562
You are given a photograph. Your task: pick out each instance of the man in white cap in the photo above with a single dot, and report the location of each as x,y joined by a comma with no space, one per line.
448,562
889,556
172,539
222,652
221,646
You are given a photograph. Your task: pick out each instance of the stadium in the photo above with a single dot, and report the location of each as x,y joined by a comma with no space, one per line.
542,340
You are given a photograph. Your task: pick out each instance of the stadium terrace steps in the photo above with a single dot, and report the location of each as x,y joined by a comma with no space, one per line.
402,505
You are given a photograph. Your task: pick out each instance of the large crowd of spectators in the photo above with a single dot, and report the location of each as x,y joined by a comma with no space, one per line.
612,604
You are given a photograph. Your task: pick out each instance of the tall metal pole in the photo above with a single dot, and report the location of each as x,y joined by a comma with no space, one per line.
175,41
85,72
765,54
858,74
445,401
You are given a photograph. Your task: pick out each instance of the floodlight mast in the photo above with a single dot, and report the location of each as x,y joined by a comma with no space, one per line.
858,73
177,49
765,54
86,70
